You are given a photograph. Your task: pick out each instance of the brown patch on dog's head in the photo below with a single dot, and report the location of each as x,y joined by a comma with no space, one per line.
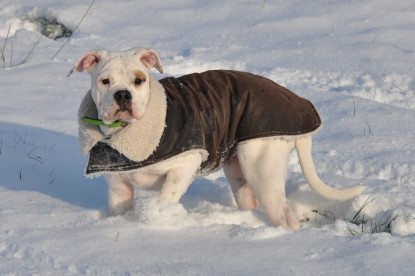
140,77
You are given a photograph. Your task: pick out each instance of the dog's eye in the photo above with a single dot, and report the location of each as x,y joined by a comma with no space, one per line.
138,81
105,81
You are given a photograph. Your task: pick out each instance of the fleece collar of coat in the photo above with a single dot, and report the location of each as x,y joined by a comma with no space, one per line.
144,134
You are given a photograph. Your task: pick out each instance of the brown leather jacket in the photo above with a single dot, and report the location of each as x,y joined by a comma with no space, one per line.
216,110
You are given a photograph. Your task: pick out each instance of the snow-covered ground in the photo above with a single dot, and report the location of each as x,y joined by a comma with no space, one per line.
353,59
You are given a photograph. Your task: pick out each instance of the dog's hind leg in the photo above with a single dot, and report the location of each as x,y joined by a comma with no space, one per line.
241,190
264,164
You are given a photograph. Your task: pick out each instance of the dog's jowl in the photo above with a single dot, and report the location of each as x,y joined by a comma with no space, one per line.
144,133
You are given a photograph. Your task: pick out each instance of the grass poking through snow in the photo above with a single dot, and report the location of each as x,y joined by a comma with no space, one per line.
367,225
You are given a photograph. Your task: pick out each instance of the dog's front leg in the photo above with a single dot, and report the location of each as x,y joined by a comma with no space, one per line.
120,195
180,174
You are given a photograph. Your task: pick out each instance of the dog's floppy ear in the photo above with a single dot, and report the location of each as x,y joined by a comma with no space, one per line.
150,58
88,61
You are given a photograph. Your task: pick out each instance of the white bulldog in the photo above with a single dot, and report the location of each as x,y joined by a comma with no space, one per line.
135,112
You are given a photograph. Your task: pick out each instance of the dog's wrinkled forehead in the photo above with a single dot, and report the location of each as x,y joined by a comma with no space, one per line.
121,65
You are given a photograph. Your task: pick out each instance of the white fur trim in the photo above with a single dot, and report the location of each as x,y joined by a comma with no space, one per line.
88,134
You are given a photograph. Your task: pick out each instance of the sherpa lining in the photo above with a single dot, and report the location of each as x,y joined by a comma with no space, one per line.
88,134
136,141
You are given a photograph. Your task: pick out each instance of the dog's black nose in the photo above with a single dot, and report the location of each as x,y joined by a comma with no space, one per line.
122,98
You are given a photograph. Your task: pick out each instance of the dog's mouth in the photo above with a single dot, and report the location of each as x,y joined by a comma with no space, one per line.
123,113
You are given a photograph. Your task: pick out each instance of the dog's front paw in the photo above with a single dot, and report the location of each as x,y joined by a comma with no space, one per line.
156,211
120,208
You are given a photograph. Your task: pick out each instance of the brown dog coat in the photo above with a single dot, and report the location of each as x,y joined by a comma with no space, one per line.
214,111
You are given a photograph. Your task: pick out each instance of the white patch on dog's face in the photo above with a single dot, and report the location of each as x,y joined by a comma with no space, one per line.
129,78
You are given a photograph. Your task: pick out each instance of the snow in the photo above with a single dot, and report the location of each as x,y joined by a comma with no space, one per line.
352,59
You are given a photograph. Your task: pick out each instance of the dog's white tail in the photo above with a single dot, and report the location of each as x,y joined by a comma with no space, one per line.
303,145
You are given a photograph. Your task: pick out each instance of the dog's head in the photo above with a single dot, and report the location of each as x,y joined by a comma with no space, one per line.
120,81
